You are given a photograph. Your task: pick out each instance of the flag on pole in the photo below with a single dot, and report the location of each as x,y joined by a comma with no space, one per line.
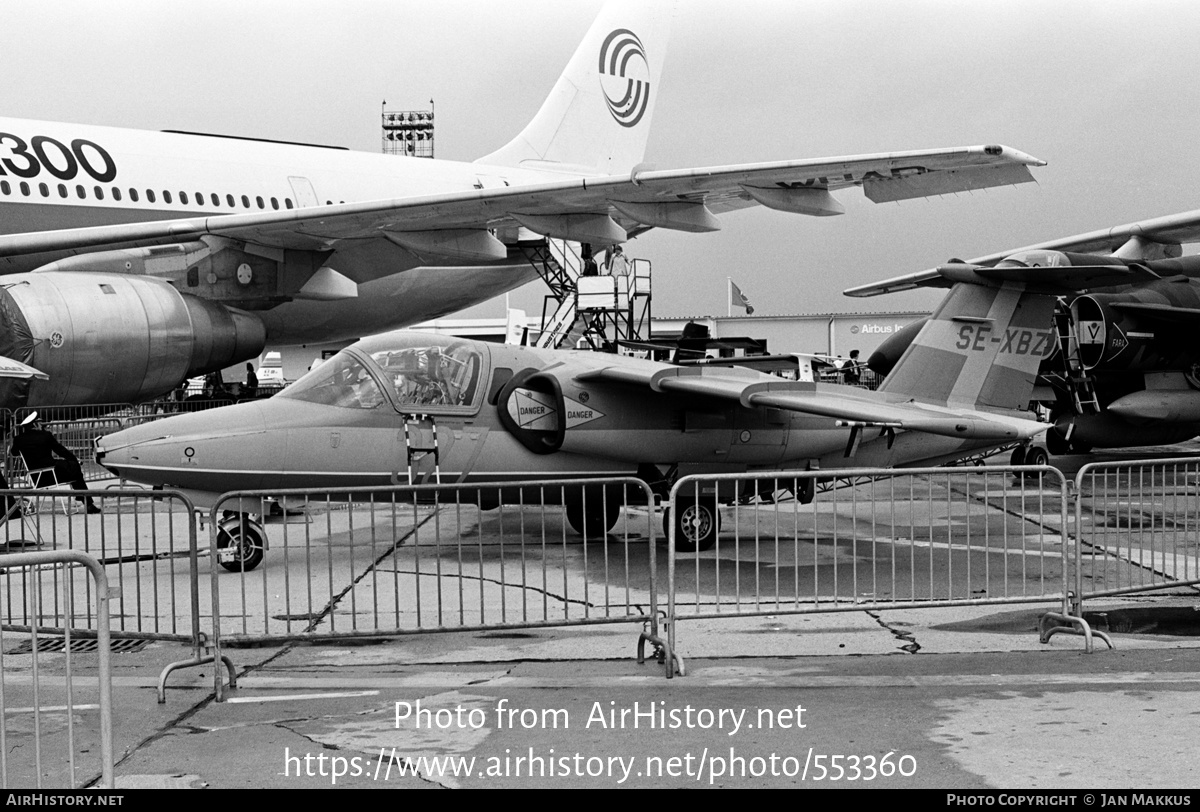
738,299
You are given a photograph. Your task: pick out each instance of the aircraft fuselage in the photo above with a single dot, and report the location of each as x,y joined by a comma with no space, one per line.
418,408
57,176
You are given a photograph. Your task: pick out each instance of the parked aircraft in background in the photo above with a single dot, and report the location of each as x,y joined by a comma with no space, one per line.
143,258
410,407
1126,371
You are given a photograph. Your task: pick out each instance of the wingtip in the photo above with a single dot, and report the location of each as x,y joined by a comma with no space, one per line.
1014,155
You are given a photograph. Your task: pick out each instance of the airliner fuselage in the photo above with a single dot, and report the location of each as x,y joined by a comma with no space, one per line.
68,176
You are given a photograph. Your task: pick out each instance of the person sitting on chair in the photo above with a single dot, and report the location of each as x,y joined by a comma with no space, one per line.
38,447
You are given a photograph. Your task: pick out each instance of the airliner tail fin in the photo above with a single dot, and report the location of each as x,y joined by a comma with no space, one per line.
596,120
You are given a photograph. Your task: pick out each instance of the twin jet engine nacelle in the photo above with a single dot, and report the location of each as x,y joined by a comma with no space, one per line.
114,338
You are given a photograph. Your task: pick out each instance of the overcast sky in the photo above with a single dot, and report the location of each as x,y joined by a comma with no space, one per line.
1105,91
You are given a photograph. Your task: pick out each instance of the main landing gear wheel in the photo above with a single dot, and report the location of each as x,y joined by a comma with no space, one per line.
596,520
696,524
1036,455
241,544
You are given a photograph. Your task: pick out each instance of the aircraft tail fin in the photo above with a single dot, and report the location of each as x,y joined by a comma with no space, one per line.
981,349
596,120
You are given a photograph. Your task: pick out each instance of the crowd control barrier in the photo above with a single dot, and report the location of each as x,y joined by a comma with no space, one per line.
847,540
146,542
375,562
1138,527
49,736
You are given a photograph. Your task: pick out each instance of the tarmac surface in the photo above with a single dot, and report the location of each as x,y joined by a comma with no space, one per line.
955,698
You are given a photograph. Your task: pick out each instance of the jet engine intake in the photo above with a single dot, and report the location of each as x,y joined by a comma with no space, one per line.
1118,340
532,409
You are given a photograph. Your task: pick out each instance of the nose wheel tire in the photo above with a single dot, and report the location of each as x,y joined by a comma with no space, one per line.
241,544
696,524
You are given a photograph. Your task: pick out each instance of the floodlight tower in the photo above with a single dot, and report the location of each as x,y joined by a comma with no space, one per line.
408,132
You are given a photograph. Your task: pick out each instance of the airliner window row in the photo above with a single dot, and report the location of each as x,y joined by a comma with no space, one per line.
185,199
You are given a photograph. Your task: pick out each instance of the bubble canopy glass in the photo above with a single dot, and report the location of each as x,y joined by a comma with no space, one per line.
419,372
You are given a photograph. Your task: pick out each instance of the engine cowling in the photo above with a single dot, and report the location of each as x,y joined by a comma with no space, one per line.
1106,430
113,338
888,353
1119,340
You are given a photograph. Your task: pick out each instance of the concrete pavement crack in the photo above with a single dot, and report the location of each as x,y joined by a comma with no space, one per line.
912,646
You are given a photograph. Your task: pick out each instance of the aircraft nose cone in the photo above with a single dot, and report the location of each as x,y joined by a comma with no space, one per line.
186,451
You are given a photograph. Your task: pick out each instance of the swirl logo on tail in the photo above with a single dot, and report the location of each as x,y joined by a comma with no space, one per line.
627,96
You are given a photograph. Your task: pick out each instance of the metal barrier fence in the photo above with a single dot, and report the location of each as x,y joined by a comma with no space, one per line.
145,540
45,736
883,538
372,562
1138,527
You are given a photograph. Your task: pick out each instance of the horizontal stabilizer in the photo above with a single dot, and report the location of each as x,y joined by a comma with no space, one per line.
1066,278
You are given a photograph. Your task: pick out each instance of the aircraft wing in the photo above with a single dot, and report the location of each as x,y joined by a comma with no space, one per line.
683,199
1054,280
1172,230
850,409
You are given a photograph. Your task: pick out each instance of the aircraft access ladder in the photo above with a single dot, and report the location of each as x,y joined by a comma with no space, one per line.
1075,377
421,443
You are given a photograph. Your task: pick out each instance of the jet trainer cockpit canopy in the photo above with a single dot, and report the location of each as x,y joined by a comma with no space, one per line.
419,372
343,381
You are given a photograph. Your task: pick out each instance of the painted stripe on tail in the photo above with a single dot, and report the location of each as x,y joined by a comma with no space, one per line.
981,349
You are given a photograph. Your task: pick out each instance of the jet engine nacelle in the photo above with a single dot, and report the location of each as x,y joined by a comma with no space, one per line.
888,353
114,338
1118,340
1106,430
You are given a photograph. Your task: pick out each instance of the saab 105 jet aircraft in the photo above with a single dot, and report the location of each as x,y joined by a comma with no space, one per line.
143,258
410,407
1126,366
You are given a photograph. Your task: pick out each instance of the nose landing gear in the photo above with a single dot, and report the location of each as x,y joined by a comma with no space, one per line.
241,543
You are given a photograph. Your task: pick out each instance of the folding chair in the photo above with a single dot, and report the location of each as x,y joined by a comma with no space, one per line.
48,479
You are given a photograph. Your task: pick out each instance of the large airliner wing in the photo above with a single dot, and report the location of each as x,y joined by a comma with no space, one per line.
1171,230
850,409
598,209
